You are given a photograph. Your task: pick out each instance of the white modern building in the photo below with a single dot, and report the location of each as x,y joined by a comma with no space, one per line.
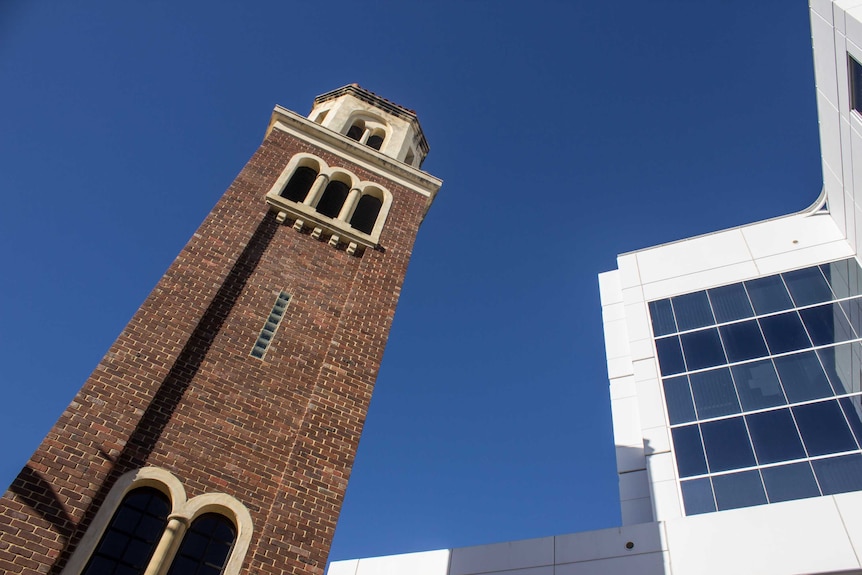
735,368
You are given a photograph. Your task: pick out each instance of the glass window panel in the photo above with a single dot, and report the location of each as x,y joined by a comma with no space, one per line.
669,355
774,436
702,349
677,394
688,451
843,364
209,550
839,474
844,277
788,482
697,496
784,332
714,394
768,294
824,429
807,286
662,317
853,309
730,303
852,407
757,385
743,341
802,376
727,444
738,490
692,311
826,324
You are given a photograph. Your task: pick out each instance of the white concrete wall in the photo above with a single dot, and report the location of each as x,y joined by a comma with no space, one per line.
808,536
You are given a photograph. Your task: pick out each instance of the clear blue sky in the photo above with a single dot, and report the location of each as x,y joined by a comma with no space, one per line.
565,132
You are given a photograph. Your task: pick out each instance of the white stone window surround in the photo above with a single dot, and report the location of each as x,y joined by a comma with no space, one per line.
371,126
307,213
183,512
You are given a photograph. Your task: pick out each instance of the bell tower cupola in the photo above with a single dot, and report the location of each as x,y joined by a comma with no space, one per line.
372,121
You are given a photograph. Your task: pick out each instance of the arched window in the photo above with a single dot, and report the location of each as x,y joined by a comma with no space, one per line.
356,130
375,141
333,199
206,546
365,214
299,184
130,539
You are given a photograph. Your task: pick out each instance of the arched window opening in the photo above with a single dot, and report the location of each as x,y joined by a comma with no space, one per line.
410,158
299,184
356,130
365,214
333,199
375,141
205,547
130,539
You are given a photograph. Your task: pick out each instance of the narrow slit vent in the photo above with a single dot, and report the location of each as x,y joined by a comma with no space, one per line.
269,327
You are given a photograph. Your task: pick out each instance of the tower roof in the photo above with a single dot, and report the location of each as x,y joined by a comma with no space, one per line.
369,97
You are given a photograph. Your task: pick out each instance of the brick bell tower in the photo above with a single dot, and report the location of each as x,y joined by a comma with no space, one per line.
218,433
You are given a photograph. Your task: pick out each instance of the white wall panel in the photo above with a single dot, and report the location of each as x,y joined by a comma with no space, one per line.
805,257
502,556
796,537
656,439
700,280
636,511
628,267
605,543
693,255
634,485
610,289
642,564
623,387
424,563
347,567
616,339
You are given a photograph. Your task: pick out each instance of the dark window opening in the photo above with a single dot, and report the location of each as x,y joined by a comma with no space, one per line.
132,536
356,130
299,184
205,547
375,142
365,214
332,199
410,158
855,84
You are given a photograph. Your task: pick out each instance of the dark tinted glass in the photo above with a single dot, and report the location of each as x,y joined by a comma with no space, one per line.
844,277
839,474
802,376
375,142
788,482
662,317
784,332
205,547
807,286
727,444
678,397
757,385
843,364
131,537
826,324
714,394
730,303
852,407
768,294
853,309
688,450
774,436
743,341
669,355
824,429
702,349
697,496
738,490
692,311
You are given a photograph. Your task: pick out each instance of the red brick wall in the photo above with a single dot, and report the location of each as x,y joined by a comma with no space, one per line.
179,390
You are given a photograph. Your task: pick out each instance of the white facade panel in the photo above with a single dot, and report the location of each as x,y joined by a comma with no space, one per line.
805,257
610,288
700,280
644,564
635,511
623,387
347,567
796,537
502,556
691,256
605,543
